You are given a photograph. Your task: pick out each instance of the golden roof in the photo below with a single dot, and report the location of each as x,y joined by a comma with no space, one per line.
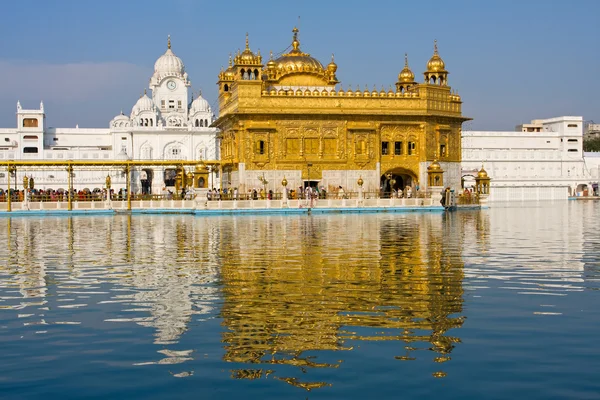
482,173
332,66
298,62
229,71
406,75
434,166
436,64
247,57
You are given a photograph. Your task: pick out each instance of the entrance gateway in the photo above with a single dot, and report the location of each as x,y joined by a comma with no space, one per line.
397,179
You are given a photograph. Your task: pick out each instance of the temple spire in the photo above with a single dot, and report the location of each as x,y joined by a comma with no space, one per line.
295,41
169,41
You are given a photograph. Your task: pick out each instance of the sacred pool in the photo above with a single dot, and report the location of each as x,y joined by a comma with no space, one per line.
496,303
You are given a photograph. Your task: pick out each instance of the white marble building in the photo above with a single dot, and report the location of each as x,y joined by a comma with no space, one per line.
162,126
541,160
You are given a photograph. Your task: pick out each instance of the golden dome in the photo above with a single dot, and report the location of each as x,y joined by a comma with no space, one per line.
229,74
296,61
436,64
332,66
247,57
482,173
434,166
406,75
271,64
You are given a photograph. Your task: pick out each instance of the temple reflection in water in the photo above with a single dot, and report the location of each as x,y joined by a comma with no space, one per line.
394,279
289,289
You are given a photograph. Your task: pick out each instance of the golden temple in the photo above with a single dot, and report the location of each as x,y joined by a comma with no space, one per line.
292,119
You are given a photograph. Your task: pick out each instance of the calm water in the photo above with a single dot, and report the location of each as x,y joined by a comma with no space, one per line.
502,303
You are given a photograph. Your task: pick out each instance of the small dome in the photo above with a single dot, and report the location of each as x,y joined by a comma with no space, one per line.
247,57
144,103
271,64
199,105
120,121
229,74
434,166
168,64
406,75
122,156
436,64
482,173
332,66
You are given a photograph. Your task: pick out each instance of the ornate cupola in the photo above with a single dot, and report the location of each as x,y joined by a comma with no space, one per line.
297,68
406,78
247,65
331,70
226,77
436,73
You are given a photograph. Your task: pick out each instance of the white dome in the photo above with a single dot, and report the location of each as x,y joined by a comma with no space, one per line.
199,105
122,156
143,104
120,121
168,65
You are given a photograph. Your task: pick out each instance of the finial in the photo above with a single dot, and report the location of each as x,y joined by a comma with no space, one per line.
247,42
230,59
435,50
144,92
199,92
406,60
258,52
332,57
169,41
271,56
295,41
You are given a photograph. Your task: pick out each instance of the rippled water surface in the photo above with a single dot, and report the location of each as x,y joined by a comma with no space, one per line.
501,303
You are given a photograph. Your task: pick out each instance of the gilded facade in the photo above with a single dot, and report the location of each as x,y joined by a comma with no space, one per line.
292,118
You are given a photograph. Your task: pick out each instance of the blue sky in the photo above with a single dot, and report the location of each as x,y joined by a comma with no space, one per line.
511,61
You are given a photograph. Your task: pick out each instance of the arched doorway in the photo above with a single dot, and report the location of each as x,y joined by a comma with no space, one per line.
397,179
146,176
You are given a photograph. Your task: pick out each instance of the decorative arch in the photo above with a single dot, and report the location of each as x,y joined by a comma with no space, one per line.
399,179
146,151
174,151
201,152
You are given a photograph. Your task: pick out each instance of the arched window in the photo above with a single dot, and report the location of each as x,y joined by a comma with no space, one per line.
242,73
256,76
206,123
226,88
201,123
197,124
151,122
146,152
173,152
